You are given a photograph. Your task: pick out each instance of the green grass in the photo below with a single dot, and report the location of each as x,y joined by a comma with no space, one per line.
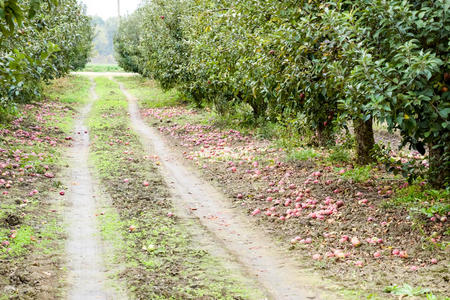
110,226
423,203
301,155
160,260
339,155
422,200
358,174
51,232
149,93
409,291
71,89
18,246
102,68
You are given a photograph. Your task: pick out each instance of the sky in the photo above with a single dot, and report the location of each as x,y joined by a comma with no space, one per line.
108,8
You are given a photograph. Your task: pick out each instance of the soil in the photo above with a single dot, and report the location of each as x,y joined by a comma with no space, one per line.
35,270
276,272
363,214
281,227
87,277
164,254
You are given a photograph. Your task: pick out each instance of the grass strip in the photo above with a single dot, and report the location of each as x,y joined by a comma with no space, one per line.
161,262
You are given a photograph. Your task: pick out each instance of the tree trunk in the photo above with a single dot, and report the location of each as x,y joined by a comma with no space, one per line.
439,168
364,141
324,135
259,109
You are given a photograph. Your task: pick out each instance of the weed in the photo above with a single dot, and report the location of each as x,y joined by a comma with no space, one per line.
148,92
420,199
71,89
102,68
302,154
19,245
50,233
358,174
406,290
340,155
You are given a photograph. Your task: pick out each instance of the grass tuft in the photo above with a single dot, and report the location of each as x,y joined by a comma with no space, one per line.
149,93
102,68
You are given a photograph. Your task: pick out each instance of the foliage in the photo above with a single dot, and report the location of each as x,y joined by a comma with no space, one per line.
422,199
398,71
302,154
321,63
126,44
406,290
411,168
13,13
46,44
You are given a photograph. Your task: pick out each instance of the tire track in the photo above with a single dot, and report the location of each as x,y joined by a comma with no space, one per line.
271,267
87,274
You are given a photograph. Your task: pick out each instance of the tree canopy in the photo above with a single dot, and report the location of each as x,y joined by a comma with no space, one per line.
39,41
314,64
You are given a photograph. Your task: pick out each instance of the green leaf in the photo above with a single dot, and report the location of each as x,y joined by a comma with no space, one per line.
445,112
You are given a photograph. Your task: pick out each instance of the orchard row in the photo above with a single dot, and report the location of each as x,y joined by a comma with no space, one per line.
39,41
312,65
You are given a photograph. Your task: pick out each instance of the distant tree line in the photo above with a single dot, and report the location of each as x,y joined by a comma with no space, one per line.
105,31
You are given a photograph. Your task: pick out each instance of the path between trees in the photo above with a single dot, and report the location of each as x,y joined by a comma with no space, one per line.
87,275
222,229
194,197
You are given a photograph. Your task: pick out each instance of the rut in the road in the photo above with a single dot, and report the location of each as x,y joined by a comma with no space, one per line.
271,266
87,276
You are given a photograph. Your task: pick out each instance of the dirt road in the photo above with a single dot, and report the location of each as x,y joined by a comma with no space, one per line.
256,253
87,276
